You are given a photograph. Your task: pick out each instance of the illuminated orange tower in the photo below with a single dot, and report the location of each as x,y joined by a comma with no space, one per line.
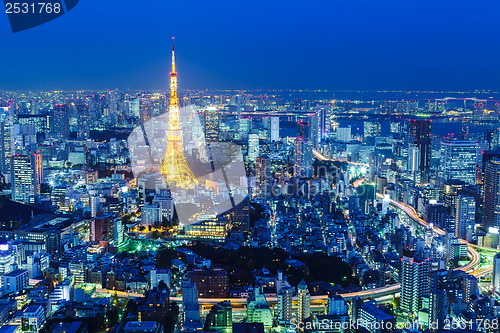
174,166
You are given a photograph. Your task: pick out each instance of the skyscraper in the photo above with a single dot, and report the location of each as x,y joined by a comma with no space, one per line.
313,121
263,177
60,120
420,135
211,124
174,166
5,145
303,158
413,165
220,317
304,302
253,147
258,309
166,204
27,176
414,282
371,129
83,126
438,308
491,212
101,227
275,129
458,160
190,305
241,214
145,108
323,112
336,305
39,121
344,134
285,305
465,213
492,137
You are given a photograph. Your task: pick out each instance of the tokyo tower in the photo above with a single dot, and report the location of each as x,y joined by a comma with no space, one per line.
174,166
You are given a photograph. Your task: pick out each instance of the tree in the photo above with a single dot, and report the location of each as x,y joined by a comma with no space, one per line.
155,234
162,285
165,222
112,316
115,299
96,324
126,219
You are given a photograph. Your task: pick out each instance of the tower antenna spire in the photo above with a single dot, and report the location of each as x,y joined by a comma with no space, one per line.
173,56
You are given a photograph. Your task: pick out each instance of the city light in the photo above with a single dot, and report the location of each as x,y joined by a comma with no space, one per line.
193,189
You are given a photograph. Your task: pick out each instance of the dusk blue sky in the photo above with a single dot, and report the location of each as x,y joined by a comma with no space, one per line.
335,44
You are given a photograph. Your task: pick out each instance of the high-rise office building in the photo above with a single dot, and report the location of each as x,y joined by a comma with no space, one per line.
304,302
211,124
258,309
211,282
399,129
414,282
23,138
151,214
375,160
118,232
15,281
303,158
275,129
420,135
263,177
39,121
83,116
285,305
437,308
145,108
344,134
245,125
27,176
313,122
241,214
413,162
458,160
493,138
5,145
166,203
220,317
60,120
336,305
491,198
101,227
323,112
465,216
371,129
253,147
470,288
190,305
303,129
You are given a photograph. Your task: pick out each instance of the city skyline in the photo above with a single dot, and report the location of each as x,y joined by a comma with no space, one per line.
264,210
